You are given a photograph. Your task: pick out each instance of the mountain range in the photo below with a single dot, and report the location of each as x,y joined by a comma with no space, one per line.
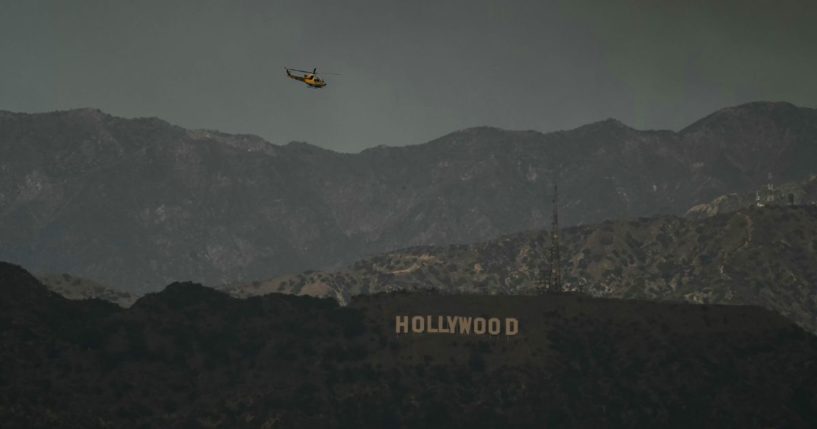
139,203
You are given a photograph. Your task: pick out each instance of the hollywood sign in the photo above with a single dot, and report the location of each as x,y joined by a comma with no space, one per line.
456,325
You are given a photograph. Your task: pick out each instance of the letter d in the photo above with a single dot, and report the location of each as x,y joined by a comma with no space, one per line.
511,326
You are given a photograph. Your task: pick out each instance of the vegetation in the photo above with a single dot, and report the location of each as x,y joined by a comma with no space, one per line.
194,357
758,256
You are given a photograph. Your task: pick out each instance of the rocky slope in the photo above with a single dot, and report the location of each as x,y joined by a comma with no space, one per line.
139,203
193,357
760,256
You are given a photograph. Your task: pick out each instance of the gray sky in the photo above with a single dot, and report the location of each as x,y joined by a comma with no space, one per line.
412,70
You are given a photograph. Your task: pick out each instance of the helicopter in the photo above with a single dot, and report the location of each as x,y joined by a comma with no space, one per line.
307,77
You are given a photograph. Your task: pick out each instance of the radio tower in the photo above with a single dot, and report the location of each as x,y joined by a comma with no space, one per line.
555,266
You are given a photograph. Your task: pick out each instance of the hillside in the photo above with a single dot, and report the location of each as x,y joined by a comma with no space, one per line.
788,194
77,288
139,203
190,356
759,256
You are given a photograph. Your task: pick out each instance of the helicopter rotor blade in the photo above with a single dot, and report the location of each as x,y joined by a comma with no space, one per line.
313,72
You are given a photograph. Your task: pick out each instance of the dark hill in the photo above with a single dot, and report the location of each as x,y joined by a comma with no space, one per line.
188,357
138,203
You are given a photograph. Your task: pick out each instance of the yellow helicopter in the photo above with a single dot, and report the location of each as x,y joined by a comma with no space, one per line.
307,77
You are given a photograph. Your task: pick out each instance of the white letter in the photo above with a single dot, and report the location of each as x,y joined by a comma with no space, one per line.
429,325
511,326
401,324
418,324
452,324
465,325
479,326
493,326
441,325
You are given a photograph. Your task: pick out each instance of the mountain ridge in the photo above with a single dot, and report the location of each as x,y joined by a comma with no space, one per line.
611,121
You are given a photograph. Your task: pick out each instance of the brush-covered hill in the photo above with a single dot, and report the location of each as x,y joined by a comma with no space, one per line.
190,356
760,256
77,288
788,194
138,203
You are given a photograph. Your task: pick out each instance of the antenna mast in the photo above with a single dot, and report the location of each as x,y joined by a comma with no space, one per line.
555,265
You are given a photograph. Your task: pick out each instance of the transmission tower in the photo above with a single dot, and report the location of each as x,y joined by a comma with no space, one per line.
555,265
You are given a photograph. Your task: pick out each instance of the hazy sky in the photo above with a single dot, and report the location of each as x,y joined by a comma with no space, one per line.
412,70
